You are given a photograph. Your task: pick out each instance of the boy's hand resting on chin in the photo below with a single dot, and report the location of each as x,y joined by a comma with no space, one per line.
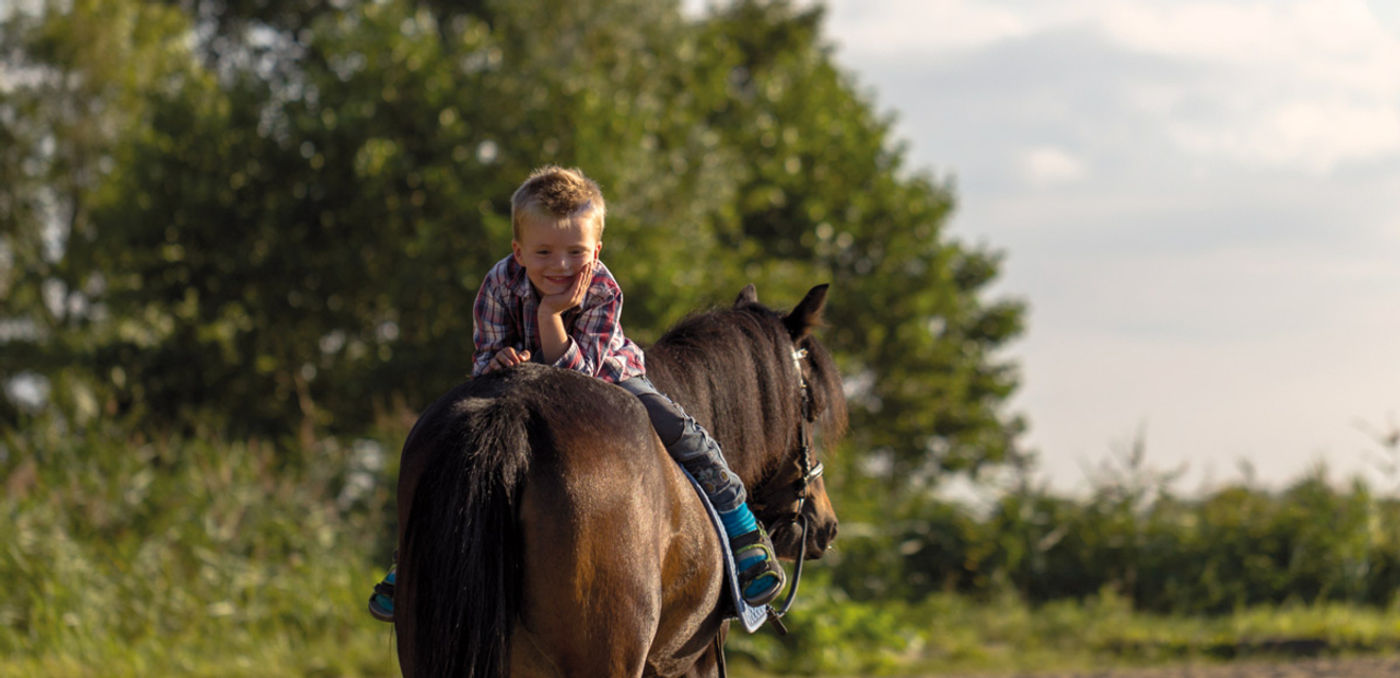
556,304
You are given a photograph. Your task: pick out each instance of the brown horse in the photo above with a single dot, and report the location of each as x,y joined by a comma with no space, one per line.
544,531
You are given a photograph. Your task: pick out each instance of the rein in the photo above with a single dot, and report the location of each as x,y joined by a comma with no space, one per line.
811,469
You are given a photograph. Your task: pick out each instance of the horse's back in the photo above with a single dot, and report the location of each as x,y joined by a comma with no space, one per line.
549,406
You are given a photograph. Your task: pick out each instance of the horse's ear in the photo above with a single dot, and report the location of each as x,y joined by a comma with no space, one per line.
748,295
807,315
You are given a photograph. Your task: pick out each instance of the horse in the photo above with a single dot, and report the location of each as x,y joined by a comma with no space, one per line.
544,530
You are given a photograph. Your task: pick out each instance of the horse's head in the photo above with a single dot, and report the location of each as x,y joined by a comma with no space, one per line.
794,493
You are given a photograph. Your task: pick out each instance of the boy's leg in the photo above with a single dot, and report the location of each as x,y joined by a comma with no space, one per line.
691,445
760,576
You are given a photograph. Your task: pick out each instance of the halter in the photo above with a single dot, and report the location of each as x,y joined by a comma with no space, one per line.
811,469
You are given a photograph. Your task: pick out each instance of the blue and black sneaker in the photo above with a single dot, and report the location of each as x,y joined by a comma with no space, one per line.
761,578
381,603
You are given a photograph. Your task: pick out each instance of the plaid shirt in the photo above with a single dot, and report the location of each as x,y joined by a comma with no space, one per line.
505,315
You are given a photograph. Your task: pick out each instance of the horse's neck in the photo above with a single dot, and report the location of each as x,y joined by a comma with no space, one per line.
733,418
685,387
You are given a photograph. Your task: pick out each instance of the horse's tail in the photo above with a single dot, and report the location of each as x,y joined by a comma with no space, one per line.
462,542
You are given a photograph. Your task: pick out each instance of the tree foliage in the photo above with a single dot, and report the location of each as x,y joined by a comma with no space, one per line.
268,218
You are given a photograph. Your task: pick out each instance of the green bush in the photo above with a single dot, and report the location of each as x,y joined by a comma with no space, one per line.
1237,546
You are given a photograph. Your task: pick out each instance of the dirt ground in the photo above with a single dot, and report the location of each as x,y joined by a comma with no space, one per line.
1366,667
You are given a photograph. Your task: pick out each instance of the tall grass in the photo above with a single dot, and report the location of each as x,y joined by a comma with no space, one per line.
962,634
195,556
190,556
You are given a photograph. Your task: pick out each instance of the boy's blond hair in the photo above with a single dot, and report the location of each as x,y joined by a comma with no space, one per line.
559,193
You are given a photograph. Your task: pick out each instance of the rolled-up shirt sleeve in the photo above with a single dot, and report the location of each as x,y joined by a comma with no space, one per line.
493,329
596,330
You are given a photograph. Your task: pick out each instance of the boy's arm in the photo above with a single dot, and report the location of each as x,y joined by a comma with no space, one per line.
592,335
492,331
554,335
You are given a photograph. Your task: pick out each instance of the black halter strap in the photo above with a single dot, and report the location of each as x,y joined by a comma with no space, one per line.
811,469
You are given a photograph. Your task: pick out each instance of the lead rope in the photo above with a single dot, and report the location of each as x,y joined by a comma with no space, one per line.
719,655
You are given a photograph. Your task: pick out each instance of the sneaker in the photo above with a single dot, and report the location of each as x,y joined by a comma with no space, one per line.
381,603
761,578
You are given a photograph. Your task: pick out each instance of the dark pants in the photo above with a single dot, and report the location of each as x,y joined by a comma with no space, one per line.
690,444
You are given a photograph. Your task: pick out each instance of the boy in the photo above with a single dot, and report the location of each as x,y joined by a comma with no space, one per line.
551,300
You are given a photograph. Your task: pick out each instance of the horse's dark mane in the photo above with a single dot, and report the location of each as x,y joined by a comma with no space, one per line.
731,368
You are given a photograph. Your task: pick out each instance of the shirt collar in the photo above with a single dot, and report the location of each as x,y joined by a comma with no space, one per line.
518,280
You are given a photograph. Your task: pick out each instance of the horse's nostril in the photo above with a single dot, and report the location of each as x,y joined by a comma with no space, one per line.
828,534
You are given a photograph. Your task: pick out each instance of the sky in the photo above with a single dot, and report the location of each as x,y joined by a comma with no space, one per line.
1198,199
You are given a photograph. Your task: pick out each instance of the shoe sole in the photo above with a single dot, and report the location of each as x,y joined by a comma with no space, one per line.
379,613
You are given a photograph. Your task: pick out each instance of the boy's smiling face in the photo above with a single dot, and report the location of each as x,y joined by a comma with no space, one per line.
554,252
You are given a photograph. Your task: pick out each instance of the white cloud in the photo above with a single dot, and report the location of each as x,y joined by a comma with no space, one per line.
1048,166
1388,13
1299,32
1297,85
1304,85
1309,136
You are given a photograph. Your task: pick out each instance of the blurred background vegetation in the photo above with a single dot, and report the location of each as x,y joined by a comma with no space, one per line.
239,244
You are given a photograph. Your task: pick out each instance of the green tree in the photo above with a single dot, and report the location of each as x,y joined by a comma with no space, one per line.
290,227
74,82
315,221
826,192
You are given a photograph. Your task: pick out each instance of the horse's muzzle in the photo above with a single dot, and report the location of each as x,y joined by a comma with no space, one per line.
787,538
822,538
